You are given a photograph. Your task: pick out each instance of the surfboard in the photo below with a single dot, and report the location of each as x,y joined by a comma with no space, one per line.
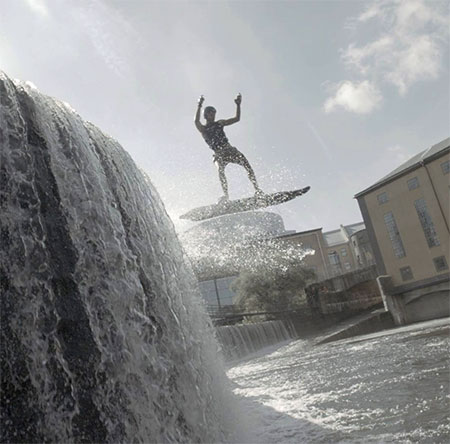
240,205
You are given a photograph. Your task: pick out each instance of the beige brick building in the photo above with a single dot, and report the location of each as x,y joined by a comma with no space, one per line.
314,240
406,214
336,252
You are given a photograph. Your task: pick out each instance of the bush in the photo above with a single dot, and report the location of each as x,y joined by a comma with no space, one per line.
272,289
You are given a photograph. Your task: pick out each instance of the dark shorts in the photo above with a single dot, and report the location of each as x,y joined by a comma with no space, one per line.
228,154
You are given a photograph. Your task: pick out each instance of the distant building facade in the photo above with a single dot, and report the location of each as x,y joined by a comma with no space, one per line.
311,240
336,252
406,214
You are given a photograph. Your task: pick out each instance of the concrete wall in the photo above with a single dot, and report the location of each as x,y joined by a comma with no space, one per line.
380,320
430,306
430,301
349,293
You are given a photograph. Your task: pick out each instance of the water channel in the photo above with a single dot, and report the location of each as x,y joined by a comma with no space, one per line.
385,388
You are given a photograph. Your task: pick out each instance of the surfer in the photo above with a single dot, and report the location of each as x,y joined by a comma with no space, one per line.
224,152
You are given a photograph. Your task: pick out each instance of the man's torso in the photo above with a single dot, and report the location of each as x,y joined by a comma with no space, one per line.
214,135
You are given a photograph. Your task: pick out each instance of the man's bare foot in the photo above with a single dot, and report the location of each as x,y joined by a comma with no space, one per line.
259,193
223,200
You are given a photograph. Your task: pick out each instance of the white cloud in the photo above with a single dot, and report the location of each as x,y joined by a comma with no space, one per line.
370,12
38,6
360,98
409,47
421,60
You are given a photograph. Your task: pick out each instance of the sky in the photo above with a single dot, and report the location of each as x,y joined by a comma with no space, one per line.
335,94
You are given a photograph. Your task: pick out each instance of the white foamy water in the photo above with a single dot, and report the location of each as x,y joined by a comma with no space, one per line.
104,338
242,340
388,389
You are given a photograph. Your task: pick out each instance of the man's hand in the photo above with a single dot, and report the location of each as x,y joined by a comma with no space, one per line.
200,101
238,99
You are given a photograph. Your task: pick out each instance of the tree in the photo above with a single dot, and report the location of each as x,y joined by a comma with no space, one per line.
272,288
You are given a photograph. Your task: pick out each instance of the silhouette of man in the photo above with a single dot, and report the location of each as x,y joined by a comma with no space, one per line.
224,153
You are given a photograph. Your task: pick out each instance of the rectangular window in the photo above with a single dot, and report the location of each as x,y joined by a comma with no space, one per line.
440,263
335,262
426,222
413,183
347,266
406,273
394,235
334,258
344,252
382,198
445,167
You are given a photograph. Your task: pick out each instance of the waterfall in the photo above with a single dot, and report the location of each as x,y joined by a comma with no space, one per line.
241,340
103,337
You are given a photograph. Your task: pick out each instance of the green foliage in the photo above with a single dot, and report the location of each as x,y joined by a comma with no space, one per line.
272,288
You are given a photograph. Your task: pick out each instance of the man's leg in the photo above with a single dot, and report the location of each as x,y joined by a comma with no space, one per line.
242,160
223,180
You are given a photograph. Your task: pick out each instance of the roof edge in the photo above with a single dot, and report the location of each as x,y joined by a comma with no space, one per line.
298,233
413,167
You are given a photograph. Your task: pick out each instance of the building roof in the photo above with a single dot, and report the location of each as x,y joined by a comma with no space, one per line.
342,235
297,233
354,228
414,162
335,237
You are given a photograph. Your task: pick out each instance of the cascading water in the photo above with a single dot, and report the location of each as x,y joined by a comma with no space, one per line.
103,335
241,340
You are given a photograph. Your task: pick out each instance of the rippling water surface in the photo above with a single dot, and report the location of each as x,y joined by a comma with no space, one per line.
385,388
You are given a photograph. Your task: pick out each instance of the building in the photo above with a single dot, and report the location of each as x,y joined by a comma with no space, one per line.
336,252
406,214
311,240
220,247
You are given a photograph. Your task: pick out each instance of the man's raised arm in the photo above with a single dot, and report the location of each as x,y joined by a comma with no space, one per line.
197,114
236,118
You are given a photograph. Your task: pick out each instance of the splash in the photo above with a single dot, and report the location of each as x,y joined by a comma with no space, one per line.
241,242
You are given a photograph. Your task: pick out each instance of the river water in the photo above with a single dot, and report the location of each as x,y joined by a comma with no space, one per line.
384,388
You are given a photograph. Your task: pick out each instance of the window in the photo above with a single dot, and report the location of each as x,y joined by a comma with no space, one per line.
335,262
394,235
334,258
347,266
445,167
344,252
406,273
382,198
426,222
413,183
440,263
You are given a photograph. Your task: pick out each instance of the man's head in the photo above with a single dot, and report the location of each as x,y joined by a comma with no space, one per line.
209,114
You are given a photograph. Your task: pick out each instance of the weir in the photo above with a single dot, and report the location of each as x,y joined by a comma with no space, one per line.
103,336
239,341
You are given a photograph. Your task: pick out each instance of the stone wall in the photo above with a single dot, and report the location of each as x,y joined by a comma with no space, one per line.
408,305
